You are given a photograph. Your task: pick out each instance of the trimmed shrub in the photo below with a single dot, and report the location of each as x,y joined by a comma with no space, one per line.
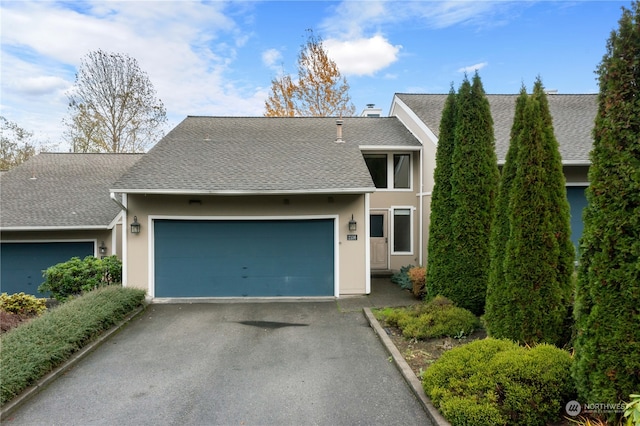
436,318
74,276
492,381
607,344
417,276
401,277
37,347
23,304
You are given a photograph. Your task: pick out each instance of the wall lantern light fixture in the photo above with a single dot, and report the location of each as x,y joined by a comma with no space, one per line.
135,226
353,225
103,249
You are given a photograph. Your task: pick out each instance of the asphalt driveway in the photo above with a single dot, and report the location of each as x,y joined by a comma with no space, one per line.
289,363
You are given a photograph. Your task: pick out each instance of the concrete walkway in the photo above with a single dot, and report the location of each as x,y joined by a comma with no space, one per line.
237,364
383,293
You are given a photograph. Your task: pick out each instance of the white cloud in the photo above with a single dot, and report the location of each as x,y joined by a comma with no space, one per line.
362,56
40,85
186,48
355,18
473,68
271,58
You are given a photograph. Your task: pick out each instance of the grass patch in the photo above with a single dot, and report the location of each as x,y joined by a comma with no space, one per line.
34,349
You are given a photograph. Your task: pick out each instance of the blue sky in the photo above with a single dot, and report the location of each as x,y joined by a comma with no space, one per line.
218,58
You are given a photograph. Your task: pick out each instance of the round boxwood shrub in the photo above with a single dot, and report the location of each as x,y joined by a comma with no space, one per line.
494,381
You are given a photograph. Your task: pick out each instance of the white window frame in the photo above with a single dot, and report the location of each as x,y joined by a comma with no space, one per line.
390,171
392,230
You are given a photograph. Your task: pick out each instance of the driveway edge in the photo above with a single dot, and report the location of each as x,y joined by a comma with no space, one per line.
406,371
33,390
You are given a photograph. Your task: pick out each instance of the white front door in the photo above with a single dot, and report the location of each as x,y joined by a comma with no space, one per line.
379,240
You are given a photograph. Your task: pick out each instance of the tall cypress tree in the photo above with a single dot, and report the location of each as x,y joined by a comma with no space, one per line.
474,186
499,298
538,254
607,310
442,206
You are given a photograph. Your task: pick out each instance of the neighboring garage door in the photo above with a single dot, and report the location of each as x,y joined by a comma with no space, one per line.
577,202
21,264
244,258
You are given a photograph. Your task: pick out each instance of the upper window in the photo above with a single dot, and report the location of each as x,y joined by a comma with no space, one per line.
389,171
377,164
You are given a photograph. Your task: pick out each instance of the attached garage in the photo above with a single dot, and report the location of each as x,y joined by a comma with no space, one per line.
244,258
23,262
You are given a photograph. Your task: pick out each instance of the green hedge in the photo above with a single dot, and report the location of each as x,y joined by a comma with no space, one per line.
34,349
491,381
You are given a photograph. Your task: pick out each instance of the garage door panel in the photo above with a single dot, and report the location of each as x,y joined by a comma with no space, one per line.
244,258
22,263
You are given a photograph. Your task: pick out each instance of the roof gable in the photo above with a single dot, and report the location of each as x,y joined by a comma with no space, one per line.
62,191
246,155
573,120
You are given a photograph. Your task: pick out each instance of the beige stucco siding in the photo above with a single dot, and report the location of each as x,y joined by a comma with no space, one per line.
351,256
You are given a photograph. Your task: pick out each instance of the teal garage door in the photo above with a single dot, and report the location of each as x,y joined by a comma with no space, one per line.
577,202
21,264
244,258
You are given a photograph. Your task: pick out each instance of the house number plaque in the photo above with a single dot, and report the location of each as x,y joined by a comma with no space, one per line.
352,237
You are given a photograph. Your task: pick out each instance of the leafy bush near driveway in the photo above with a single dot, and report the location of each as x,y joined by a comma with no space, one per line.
437,318
37,347
492,381
75,276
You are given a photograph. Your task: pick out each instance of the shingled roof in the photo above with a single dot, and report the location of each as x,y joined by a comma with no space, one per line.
573,120
256,155
62,191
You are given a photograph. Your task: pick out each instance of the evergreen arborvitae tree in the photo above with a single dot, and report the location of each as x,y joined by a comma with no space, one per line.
474,186
499,299
538,255
607,309
442,206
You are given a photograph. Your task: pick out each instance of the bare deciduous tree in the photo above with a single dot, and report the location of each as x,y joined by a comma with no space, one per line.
320,90
113,106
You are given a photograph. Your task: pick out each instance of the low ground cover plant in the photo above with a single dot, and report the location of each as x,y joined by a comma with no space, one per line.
77,275
437,318
37,347
493,381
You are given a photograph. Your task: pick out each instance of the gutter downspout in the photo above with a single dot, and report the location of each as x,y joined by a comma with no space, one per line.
421,261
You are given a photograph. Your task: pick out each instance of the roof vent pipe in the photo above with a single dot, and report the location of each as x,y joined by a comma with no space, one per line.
339,131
